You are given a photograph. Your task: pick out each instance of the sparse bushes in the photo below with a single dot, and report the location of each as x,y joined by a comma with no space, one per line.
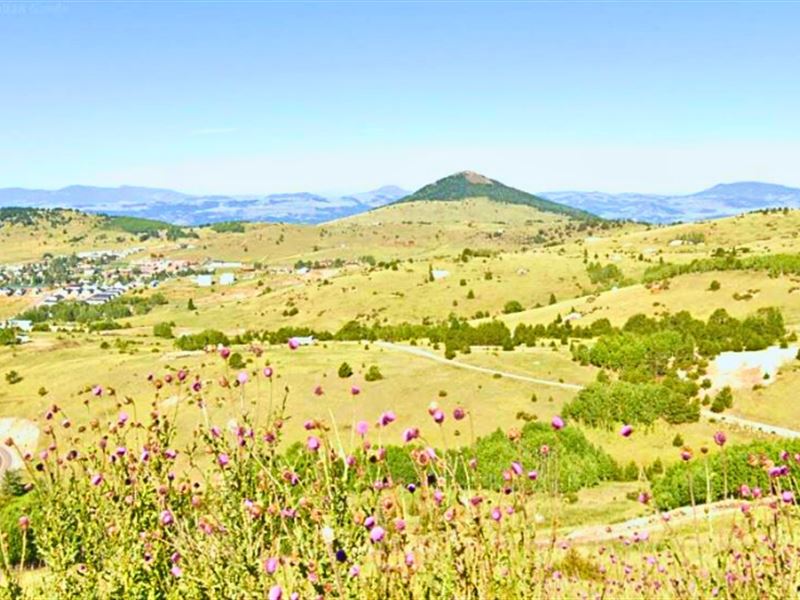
345,370
164,330
512,306
722,401
12,377
373,374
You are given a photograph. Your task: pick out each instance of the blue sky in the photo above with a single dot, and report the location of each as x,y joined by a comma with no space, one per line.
326,97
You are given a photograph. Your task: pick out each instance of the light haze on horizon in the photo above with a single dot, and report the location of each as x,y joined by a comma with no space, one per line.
344,97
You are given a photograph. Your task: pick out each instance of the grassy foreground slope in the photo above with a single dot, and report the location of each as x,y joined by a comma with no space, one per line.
308,512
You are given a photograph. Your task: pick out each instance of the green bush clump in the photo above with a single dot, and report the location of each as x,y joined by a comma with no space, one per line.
734,466
373,374
12,509
606,405
164,330
199,341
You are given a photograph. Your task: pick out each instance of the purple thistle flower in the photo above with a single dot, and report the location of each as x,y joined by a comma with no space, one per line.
438,416
720,438
459,413
361,428
97,479
223,460
377,534
275,592
626,431
243,377
557,423
271,565
313,443
166,518
293,344
268,372
410,434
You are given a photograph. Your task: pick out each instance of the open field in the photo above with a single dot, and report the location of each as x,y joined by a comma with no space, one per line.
426,278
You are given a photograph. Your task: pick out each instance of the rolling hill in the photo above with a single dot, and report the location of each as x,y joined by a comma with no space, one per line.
468,184
186,209
723,200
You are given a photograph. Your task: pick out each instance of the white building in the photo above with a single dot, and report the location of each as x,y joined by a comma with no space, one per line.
204,280
227,279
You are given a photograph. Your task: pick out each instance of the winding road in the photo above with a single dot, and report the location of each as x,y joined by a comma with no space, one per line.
706,414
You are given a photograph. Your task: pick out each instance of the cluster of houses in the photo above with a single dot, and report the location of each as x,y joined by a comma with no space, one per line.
94,277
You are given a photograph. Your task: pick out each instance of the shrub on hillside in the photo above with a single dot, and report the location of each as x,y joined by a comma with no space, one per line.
606,405
10,513
710,475
345,370
200,341
164,330
373,374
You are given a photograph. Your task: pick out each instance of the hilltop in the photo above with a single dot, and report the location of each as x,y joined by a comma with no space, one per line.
468,184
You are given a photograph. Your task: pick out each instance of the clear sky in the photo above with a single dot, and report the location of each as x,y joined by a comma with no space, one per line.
272,97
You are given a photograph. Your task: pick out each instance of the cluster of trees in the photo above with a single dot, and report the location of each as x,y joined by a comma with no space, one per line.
228,227
8,337
775,264
199,341
650,347
604,274
16,215
607,404
529,335
80,312
714,476
694,237
572,464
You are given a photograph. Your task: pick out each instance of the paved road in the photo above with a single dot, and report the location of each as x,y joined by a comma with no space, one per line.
677,517
741,422
431,356
707,414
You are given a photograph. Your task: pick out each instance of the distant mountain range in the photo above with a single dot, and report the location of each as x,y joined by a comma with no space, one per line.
468,184
186,209
722,200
